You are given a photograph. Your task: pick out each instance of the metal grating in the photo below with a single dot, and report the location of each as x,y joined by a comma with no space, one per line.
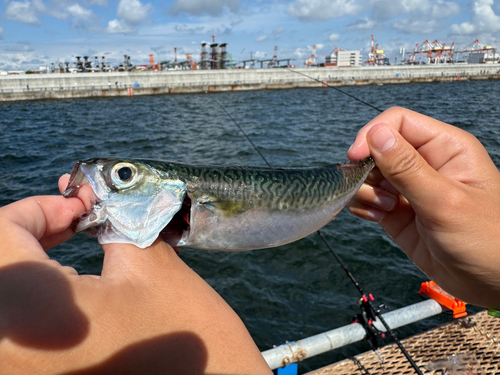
475,341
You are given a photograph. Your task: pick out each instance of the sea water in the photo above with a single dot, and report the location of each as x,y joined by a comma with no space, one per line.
281,294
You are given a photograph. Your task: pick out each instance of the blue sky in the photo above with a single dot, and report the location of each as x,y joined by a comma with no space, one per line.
40,32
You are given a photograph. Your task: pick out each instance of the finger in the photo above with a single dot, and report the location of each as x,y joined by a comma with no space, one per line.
53,240
444,147
63,182
400,224
395,222
85,193
403,166
365,212
376,197
418,130
43,215
376,179
25,222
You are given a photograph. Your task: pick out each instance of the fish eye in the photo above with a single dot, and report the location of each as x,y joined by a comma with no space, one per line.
123,175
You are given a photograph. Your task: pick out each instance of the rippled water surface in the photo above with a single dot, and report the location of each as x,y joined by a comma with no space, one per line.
281,294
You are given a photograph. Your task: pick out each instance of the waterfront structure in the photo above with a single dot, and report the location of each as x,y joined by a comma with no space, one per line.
311,61
376,56
77,85
341,57
218,58
486,57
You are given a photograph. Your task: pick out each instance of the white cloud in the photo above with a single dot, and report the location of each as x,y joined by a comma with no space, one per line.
199,7
465,28
133,11
277,32
183,28
483,20
415,26
261,38
23,47
333,37
259,55
118,27
28,12
81,18
430,9
78,11
306,52
321,10
23,12
364,24
39,6
301,52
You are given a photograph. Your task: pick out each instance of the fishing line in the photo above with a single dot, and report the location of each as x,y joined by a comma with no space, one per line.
243,132
335,88
366,301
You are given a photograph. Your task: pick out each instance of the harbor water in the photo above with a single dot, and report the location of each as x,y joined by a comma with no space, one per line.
281,294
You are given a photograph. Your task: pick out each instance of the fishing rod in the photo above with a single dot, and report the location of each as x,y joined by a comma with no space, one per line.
366,302
360,366
369,311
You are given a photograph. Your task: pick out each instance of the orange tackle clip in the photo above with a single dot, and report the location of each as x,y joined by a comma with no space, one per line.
432,290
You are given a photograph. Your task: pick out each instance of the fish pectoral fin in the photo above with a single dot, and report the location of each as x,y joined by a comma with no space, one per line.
225,208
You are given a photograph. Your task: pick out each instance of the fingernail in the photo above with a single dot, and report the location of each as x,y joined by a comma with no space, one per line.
386,185
383,139
384,203
373,214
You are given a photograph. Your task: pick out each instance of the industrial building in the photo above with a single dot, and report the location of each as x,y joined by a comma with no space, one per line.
481,54
341,57
215,56
486,57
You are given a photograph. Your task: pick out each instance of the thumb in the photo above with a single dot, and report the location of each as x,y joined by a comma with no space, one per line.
402,165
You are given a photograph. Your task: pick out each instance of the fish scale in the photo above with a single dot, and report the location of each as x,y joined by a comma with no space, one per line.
298,188
217,208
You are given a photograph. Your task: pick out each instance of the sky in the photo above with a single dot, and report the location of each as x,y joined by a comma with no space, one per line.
36,33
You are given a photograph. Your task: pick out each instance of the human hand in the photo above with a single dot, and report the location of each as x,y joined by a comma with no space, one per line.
148,312
436,192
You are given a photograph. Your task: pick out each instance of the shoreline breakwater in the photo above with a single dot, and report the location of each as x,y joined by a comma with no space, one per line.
86,85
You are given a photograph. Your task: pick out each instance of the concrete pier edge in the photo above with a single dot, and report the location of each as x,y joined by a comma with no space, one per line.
114,84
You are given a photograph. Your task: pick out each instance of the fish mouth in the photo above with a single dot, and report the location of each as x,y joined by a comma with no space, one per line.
71,191
104,221
76,180
179,226
88,219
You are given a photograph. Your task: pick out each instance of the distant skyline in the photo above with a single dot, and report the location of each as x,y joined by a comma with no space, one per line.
36,33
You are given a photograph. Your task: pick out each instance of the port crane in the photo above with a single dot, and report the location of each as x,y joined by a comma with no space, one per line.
311,61
376,56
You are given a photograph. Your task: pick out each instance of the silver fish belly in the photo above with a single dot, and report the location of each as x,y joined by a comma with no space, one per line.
213,208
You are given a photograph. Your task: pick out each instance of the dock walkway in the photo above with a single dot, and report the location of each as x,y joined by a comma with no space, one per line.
475,340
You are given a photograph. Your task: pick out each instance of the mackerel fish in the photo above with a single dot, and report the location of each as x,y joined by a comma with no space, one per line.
214,208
